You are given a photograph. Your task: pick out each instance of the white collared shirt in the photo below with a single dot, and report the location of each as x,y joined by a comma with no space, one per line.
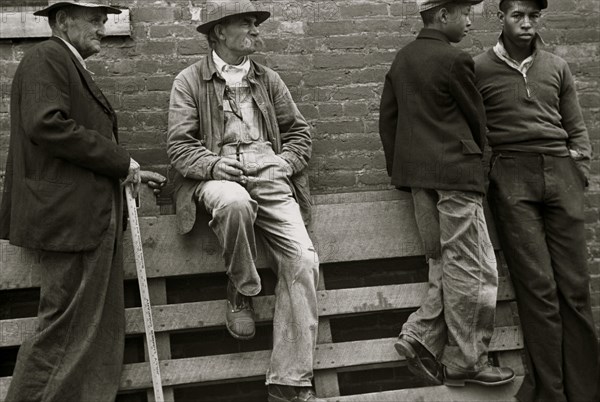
76,53
234,76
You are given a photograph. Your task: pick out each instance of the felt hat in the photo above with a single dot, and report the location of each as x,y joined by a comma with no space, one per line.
543,3
217,11
52,5
425,5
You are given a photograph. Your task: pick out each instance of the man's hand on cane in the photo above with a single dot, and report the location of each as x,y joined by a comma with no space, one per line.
133,177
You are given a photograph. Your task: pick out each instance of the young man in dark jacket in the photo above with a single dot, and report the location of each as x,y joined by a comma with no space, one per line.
432,128
540,163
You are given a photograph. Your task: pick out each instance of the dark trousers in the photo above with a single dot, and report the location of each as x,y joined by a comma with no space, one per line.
537,202
77,353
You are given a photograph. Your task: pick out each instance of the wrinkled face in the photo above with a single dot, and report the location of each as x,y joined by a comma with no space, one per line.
520,22
85,29
240,36
458,23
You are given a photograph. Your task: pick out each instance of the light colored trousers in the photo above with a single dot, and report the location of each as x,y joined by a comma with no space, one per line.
266,204
456,320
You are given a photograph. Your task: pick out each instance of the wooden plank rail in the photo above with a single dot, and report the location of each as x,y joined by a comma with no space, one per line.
353,227
186,316
254,364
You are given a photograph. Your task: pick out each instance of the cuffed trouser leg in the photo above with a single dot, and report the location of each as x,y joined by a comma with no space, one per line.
537,201
78,353
457,317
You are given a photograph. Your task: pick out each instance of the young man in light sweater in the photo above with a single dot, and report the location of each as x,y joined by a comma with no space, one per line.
539,170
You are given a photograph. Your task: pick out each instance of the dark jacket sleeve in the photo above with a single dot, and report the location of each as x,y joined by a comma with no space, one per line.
45,99
462,87
388,121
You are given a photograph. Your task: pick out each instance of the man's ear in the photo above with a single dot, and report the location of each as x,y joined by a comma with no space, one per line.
219,31
61,19
443,15
500,16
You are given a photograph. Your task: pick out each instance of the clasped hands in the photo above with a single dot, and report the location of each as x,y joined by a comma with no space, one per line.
233,170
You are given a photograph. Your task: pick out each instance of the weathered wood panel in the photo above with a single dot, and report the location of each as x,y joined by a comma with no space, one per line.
503,393
186,316
337,233
19,22
254,364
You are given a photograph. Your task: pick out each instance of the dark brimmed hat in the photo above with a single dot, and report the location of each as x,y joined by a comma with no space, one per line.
52,5
543,3
425,5
217,11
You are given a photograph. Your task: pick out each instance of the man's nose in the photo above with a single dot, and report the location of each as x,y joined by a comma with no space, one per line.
101,31
468,22
526,22
254,30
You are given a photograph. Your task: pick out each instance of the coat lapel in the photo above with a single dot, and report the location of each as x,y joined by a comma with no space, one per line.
92,87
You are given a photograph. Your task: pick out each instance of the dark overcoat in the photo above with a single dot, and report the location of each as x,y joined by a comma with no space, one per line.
64,162
432,118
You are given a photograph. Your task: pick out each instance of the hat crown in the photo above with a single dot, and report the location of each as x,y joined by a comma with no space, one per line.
217,9
86,3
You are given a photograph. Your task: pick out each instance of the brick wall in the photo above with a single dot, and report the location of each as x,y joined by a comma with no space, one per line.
333,55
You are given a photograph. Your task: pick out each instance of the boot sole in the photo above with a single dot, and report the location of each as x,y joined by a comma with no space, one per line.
462,383
415,366
240,337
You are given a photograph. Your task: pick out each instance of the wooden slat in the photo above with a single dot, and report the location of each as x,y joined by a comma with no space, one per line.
345,227
469,393
19,22
254,364
211,313
325,381
386,229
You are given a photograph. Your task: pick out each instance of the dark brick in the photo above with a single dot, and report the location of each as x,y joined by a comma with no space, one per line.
192,47
156,48
160,83
333,61
354,10
176,31
153,14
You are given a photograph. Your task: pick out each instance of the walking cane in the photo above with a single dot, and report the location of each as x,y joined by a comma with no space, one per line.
144,295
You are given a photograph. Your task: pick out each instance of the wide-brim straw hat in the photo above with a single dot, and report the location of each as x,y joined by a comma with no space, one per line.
52,5
216,12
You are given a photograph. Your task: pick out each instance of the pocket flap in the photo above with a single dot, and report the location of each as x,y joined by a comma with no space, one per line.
470,147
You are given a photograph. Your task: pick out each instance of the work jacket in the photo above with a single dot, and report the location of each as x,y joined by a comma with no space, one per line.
432,118
197,125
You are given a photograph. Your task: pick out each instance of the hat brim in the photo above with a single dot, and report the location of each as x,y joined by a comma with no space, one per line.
46,11
261,16
542,3
442,3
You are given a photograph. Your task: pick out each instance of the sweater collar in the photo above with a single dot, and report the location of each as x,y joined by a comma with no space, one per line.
523,66
428,33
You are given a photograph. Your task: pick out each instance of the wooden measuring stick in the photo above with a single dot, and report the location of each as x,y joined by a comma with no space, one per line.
144,295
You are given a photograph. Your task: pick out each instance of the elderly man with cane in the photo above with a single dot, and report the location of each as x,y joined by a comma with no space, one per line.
63,198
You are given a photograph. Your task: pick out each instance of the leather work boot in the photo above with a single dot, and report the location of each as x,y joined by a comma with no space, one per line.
287,393
420,361
239,316
489,376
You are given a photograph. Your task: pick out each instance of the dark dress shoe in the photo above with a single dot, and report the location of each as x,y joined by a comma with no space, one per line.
239,317
420,361
287,393
489,376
